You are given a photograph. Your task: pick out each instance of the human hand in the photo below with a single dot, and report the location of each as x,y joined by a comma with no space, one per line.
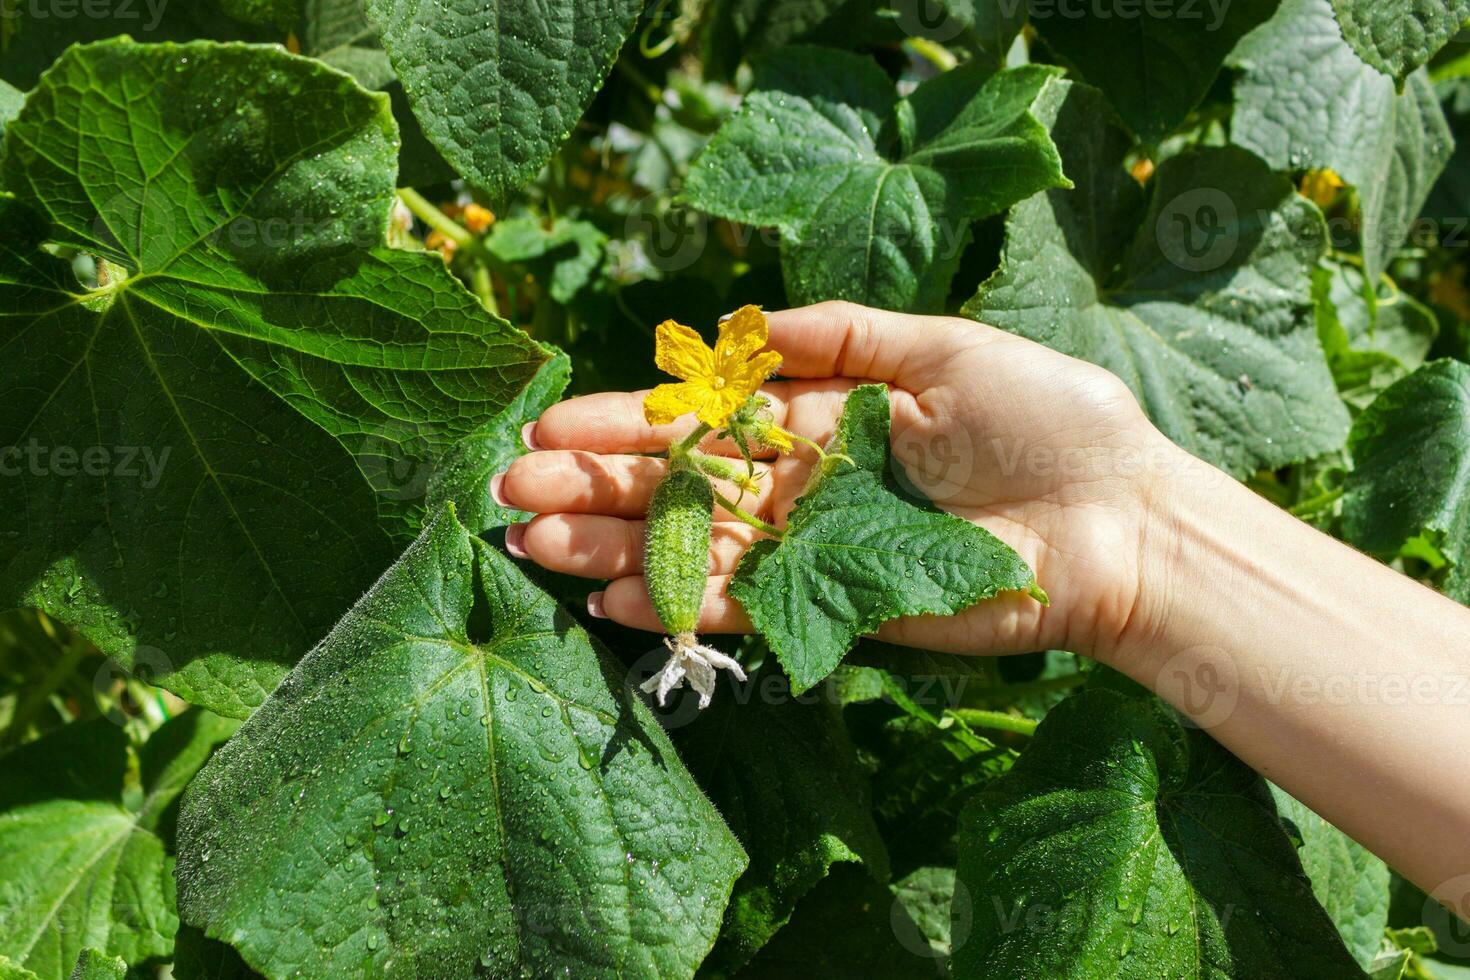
1050,454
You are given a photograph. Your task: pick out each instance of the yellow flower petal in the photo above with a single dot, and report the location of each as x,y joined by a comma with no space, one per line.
740,337
748,376
777,438
720,405
667,402
680,351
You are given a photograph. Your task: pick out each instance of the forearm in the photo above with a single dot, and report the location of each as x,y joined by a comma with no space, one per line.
1331,674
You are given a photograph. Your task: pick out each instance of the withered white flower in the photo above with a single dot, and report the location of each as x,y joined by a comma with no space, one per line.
691,660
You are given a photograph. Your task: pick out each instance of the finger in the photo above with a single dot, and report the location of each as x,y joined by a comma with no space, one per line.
613,422
597,546
626,601
574,482
1008,624
838,339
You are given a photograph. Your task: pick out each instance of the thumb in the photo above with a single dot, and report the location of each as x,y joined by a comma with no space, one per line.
845,340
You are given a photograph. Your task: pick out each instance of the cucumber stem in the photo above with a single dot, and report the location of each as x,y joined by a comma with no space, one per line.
995,720
750,519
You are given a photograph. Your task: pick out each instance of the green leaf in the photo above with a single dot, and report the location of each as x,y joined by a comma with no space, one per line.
927,894
197,957
989,25
338,32
11,99
85,852
1303,99
1121,844
564,257
1201,304
796,819
498,84
280,14
1411,471
730,30
252,380
1393,322
30,42
874,195
1153,68
1370,343
95,965
462,477
860,550
1449,201
848,926
928,774
465,780
1348,881
1397,36
10,971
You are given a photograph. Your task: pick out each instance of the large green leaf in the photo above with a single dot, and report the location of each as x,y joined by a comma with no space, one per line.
10,971
339,33
35,34
197,957
1397,36
457,779
462,476
205,453
85,847
874,195
96,965
1449,201
498,84
1155,68
796,818
1202,304
1349,882
1410,485
280,14
10,103
1305,100
859,550
1122,844
1370,342
849,926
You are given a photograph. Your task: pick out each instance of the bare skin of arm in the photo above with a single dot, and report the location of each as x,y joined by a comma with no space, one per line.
1331,674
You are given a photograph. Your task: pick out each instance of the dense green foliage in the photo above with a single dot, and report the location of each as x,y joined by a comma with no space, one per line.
282,280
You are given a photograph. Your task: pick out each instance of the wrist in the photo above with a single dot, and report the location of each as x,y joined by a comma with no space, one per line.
1192,517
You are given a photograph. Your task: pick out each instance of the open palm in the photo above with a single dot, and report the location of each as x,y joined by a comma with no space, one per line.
1050,454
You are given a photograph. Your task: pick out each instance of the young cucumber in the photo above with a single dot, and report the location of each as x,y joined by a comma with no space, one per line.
676,559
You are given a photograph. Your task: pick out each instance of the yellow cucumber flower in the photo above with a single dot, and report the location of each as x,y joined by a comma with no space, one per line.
714,382
1321,187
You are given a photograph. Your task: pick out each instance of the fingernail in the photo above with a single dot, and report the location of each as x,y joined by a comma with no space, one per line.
497,489
528,436
726,317
594,605
515,540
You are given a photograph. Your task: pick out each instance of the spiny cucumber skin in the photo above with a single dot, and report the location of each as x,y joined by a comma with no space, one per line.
676,556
